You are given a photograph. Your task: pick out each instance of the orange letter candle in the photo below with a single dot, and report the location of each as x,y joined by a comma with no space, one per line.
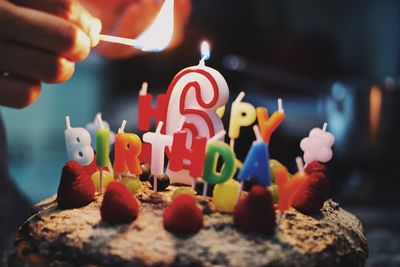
287,188
127,150
268,124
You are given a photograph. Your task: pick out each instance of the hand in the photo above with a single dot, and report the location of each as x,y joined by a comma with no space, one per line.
39,42
129,18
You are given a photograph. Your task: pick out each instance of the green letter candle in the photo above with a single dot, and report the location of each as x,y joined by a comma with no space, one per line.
214,150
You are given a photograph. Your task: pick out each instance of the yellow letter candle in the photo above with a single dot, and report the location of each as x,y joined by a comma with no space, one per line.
242,114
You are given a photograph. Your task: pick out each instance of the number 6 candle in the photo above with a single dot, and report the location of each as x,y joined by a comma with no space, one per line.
196,93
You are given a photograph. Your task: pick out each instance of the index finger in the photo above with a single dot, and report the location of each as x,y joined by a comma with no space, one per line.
70,10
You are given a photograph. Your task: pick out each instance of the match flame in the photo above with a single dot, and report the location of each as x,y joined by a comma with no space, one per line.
205,50
375,107
159,34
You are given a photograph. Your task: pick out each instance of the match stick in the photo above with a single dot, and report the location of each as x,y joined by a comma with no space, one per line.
118,40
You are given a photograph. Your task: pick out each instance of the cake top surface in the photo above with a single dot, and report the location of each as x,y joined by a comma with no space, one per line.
80,236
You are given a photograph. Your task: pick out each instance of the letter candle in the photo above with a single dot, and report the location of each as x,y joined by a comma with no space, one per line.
102,149
258,140
146,110
287,188
268,124
242,114
256,162
127,150
158,143
215,149
77,141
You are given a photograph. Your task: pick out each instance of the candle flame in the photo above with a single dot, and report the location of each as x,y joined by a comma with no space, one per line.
159,34
205,50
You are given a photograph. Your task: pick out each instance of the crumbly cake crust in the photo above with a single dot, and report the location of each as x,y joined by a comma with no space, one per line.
333,237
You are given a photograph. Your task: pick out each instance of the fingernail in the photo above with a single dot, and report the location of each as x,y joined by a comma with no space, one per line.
83,43
95,29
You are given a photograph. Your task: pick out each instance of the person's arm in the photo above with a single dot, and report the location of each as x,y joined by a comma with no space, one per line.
39,42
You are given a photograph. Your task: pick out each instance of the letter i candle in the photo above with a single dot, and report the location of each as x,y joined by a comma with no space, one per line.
102,149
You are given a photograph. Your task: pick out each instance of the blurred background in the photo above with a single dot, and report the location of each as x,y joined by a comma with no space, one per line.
330,61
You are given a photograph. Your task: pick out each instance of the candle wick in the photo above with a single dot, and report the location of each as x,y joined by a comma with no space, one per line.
95,117
100,121
232,144
122,128
159,127
143,90
325,126
67,122
300,166
203,61
280,106
240,97
257,132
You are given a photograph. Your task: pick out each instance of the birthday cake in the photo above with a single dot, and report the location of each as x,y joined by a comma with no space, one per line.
205,207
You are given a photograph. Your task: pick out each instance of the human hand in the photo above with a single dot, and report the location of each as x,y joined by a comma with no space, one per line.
39,42
129,18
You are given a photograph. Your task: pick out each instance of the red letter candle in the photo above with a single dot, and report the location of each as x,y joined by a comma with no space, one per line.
195,155
146,110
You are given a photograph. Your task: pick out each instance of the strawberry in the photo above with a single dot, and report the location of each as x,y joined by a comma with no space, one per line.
183,216
315,166
119,206
76,188
311,197
256,211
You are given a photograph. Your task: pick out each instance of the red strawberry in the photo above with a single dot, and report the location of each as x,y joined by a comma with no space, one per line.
315,166
183,216
76,188
256,212
92,167
311,197
119,205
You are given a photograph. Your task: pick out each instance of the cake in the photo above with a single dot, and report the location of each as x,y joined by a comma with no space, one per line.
56,237
254,213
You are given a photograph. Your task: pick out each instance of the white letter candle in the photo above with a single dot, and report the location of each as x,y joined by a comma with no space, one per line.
77,141
196,93
158,143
